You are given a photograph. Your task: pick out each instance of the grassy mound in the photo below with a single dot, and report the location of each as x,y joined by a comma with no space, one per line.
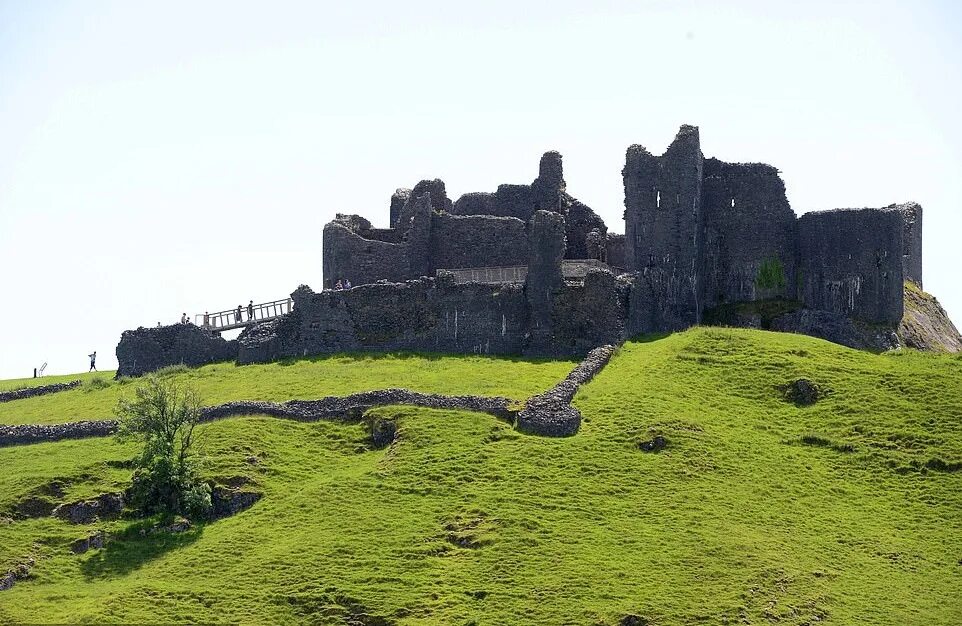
757,510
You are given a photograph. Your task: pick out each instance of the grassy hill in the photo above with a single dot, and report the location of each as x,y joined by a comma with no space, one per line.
758,511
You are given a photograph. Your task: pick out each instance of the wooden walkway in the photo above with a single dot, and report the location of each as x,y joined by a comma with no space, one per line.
243,316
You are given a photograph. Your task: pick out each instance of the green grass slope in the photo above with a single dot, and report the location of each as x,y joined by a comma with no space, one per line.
303,380
757,512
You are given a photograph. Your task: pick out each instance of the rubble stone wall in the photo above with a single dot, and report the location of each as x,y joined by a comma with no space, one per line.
348,255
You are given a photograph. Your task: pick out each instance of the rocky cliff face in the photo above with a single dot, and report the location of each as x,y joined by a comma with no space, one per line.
925,325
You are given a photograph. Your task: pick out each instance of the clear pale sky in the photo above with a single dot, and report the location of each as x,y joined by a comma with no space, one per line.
167,157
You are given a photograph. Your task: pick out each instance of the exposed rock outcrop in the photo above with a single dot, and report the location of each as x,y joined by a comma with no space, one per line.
103,506
925,325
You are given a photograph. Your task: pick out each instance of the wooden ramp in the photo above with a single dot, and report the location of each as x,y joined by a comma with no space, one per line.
243,316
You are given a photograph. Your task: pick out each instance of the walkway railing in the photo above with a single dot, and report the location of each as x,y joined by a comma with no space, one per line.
244,315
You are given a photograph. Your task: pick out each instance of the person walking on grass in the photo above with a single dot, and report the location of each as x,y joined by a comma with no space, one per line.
93,361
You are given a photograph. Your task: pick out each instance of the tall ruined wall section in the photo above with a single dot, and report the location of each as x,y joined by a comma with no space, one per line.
546,249
459,241
662,227
546,193
911,214
850,262
348,255
748,245
430,232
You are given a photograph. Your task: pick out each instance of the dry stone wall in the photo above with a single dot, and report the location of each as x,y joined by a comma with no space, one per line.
40,390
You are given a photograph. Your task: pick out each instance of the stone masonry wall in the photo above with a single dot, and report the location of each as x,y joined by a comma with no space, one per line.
477,241
398,200
546,245
149,349
911,214
587,315
432,315
663,222
346,254
747,223
850,262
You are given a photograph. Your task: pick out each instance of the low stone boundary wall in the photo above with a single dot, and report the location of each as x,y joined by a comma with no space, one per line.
30,392
350,407
353,406
23,434
550,414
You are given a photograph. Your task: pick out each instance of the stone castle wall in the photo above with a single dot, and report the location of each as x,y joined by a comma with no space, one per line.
700,234
461,241
663,223
747,223
850,262
477,230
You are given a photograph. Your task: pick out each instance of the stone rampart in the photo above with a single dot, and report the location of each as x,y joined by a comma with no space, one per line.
663,221
149,349
348,255
911,214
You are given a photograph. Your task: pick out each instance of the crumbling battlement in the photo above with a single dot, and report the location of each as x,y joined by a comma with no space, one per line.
148,349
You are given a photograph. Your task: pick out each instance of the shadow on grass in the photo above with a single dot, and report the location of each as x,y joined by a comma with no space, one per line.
135,547
650,338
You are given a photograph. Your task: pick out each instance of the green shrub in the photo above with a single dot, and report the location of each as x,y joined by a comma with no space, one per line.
163,418
771,274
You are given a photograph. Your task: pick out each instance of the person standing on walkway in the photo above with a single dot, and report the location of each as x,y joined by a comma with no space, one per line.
93,361
206,319
250,311
237,315
183,318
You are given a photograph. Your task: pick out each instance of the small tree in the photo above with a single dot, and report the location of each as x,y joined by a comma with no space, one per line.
163,418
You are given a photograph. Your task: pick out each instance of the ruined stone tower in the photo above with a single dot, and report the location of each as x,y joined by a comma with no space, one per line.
662,224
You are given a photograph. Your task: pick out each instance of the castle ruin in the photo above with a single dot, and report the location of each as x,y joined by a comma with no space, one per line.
529,269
